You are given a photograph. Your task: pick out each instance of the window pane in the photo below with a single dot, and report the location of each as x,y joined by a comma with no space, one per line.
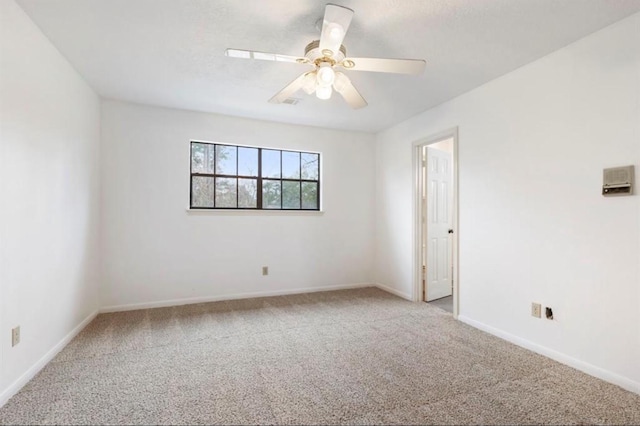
309,195
226,191
248,193
271,191
310,166
202,158
270,163
226,160
247,161
290,165
290,195
201,191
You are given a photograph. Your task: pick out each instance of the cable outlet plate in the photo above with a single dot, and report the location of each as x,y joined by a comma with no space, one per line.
265,270
536,310
15,336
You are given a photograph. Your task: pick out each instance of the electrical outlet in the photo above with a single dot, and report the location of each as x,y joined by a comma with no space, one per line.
536,310
265,270
15,336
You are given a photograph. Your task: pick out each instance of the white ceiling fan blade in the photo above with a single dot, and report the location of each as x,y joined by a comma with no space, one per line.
263,56
334,27
353,97
399,66
350,94
289,90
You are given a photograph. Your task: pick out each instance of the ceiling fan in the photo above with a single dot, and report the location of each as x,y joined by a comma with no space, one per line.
329,57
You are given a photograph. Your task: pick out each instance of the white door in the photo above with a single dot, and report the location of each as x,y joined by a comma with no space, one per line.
438,222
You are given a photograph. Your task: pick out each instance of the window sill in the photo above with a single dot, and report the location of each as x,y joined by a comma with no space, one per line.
236,212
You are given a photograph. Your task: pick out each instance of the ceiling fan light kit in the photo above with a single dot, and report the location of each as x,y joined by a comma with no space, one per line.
323,92
327,56
326,74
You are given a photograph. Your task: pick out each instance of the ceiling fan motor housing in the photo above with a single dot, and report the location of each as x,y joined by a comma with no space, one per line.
313,53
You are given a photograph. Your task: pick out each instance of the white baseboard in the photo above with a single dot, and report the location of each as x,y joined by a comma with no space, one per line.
394,291
39,365
192,300
585,367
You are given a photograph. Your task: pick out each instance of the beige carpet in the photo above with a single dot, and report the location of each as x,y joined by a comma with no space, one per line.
348,357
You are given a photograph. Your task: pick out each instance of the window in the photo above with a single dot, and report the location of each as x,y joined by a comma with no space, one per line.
243,177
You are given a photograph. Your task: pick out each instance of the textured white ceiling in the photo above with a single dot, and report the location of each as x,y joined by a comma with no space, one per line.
171,52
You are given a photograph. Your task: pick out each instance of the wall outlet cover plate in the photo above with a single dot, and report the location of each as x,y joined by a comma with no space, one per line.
536,310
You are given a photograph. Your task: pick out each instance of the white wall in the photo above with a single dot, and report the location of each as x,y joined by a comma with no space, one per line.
155,251
49,184
533,225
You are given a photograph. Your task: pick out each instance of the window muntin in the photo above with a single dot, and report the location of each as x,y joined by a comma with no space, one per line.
241,177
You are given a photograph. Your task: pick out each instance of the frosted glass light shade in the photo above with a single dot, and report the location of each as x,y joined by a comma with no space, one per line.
323,92
326,75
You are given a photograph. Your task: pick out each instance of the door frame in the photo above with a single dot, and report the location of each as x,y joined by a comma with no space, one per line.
417,147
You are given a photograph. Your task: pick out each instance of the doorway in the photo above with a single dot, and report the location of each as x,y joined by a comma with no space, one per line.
436,221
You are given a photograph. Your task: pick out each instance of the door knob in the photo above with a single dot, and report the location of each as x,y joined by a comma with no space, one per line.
451,231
